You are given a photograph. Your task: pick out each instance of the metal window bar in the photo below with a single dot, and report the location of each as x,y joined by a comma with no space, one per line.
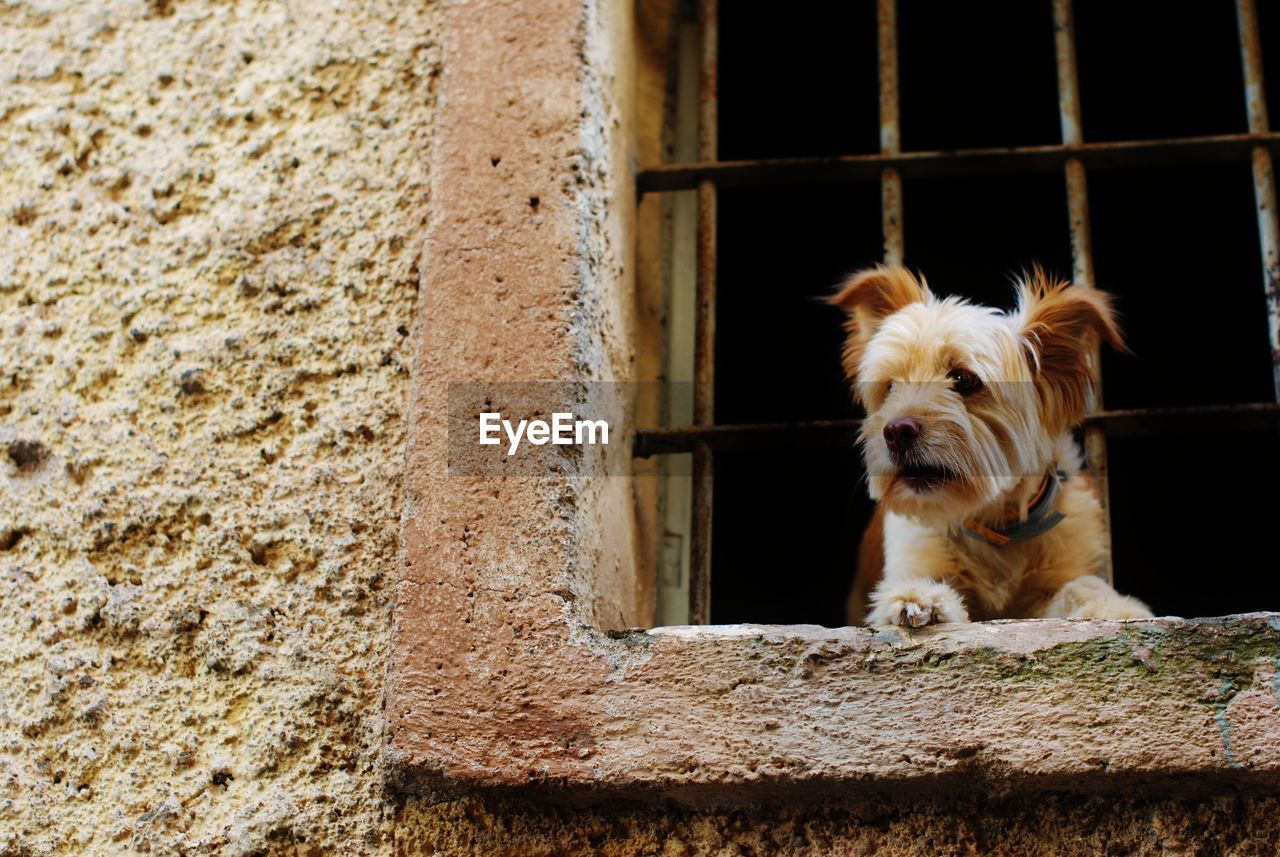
1264,177
1095,442
890,136
768,172
889,167
704,323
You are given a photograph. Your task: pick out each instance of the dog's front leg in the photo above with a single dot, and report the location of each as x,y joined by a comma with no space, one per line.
914,591
1090,597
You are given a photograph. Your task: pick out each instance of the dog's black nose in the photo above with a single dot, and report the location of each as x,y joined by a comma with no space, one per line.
901,433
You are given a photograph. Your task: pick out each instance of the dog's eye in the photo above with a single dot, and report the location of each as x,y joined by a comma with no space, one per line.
964,382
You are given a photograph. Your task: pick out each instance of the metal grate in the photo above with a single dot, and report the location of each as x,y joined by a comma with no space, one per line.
1074,157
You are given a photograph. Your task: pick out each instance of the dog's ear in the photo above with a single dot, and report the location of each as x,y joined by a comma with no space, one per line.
1061,325
869,297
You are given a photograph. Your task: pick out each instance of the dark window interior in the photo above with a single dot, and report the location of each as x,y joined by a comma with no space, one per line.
1178,246
964,84
1147,73
767,52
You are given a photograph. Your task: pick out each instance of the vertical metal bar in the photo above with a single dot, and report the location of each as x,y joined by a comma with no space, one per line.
890,138
676,493
1264,178
705,323
1095,443
1072,135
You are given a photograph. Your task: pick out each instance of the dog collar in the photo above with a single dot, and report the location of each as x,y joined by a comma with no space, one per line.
1040,517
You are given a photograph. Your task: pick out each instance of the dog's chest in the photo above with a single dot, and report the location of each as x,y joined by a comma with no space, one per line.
992,579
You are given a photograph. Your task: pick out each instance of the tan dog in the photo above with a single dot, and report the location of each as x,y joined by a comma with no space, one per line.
982,509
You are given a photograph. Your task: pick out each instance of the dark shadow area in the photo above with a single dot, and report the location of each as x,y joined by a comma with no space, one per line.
1193,521
1148,71
1190,513
797,83
778,348
1179,250
786,541
1177,246
973,236
965,84
786,514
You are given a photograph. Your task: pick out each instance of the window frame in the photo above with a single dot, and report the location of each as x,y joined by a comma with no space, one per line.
511,667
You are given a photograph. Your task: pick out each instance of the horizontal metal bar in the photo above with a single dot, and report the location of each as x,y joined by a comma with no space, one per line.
1135,422
1144,422
855,168
816,433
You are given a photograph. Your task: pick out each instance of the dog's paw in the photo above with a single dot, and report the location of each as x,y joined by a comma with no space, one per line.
1090,597
915,604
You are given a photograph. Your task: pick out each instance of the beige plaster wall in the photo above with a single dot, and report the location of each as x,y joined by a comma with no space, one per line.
210,215
209,230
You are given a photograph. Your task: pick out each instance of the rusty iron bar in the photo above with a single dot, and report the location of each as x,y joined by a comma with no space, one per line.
704,322
1264,178
890,131
1095,441
958,162
828,434
1072,138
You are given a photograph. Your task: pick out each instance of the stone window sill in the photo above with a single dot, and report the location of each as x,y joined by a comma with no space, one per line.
743,714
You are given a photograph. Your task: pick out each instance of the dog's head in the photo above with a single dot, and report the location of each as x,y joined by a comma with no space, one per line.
963,401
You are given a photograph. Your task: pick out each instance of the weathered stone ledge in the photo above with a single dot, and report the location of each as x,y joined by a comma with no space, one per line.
742,714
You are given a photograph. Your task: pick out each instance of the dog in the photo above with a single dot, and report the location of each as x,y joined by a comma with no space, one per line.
982,511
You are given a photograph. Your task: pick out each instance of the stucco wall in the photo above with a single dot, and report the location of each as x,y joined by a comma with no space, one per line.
208,268
210,216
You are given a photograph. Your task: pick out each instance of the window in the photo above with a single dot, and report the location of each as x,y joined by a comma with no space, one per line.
519,662
1124,148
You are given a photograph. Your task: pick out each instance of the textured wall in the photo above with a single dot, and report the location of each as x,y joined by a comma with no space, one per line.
209,222
1055,826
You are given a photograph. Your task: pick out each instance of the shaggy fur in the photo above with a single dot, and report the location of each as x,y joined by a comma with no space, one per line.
989,400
